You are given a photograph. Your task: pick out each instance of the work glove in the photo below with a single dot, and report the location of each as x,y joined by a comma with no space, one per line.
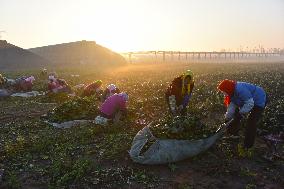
174,112
172,103
180,107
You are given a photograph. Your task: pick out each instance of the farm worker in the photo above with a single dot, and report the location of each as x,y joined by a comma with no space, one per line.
115,107
3,81
109,91
4,87
52,83
93,88
58,85
43,72
179,92
6,83
243,99
23,84
64,86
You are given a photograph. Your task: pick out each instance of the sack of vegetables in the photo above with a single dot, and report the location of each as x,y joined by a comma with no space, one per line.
173,140
181,128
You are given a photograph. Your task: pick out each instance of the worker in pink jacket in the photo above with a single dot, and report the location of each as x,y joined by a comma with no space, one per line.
115,107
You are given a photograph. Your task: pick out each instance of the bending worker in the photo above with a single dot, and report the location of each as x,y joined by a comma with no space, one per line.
179,92
243,99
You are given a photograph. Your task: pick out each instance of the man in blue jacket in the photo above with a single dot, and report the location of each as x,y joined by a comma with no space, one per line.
243,99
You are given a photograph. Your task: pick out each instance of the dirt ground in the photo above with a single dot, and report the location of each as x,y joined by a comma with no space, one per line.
35,155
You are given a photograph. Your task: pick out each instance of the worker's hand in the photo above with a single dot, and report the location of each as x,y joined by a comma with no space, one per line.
174,112
227,119
180,107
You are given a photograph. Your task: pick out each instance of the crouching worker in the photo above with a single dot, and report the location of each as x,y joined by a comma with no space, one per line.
23,84
4,87
58,85
3,82
43,73
243,99
179,92
109,91
114,108
93,89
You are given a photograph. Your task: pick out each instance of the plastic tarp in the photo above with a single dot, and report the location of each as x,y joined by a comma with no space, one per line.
69,124
26,94
169,150
4,93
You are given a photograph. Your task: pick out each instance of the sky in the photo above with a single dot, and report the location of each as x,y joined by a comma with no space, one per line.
137,25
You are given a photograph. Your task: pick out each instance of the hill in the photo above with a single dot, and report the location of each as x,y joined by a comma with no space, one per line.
78,53
15,58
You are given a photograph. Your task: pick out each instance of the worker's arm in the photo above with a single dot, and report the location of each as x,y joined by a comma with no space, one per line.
246,97
172,103
230,111
186,99
248,105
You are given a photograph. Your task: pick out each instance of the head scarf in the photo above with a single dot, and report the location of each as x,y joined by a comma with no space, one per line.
186,88
52,78
124,95
30,79
53,73
111,87
98,83
227,86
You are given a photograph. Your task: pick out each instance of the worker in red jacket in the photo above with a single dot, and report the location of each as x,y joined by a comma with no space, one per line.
179,92
93,88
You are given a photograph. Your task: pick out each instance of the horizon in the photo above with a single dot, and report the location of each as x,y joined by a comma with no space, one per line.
168,25
256,50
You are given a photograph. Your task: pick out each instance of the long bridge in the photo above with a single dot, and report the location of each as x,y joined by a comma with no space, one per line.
166,56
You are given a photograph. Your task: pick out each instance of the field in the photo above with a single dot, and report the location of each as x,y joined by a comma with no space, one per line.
35,155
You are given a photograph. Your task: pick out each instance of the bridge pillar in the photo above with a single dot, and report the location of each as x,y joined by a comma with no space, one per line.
129,57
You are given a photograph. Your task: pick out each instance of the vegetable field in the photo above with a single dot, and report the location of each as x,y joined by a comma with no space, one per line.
35,155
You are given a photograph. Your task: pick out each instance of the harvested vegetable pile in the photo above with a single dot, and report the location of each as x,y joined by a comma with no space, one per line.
77,108
181,128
